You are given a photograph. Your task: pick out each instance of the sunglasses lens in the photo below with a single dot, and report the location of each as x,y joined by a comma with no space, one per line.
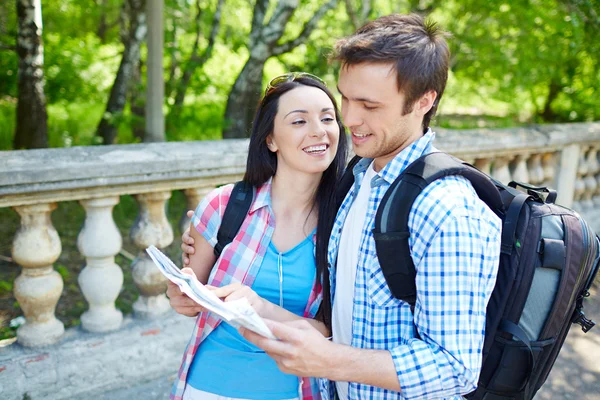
290,77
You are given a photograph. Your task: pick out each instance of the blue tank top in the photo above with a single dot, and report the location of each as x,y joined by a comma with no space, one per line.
228,365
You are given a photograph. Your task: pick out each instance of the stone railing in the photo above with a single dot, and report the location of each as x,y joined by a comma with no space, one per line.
564,157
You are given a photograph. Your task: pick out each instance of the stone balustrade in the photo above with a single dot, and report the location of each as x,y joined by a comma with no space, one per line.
564,157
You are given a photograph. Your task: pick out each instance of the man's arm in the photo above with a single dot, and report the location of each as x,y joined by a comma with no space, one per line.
302,350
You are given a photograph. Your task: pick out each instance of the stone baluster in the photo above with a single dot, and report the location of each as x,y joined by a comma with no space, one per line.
101,279
549,168
596,197
579,189
150,228
519,170
193,198
36,247
590,179
484,165
536,172
500,170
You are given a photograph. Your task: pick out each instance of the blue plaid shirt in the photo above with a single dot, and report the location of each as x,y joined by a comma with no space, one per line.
455,246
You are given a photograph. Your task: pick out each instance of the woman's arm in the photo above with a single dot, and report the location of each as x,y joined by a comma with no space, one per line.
265,308
203,259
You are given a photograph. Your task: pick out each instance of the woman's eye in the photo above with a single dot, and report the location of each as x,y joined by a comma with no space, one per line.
298,122
328,119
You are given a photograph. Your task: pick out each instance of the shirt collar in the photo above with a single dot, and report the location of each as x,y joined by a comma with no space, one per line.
263,196
398,164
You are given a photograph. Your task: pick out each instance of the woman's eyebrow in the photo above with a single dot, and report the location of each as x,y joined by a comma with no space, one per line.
296,111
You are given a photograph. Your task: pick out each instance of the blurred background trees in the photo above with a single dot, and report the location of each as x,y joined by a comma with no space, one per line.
81,79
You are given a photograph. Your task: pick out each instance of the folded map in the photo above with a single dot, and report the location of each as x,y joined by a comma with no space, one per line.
237,313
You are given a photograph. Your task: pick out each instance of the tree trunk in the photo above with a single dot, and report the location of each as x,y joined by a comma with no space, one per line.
137,102
547,114
243,99
264,37
32,121
107,128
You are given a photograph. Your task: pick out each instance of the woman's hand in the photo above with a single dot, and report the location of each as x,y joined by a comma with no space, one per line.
180,302
236,291
187,243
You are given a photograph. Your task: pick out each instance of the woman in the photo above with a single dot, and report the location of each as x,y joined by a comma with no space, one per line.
296,154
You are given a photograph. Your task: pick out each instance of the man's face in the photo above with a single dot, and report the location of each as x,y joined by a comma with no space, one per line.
373,111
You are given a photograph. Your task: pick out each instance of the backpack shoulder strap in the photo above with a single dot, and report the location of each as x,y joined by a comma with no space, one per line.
346,182
391,221
236,210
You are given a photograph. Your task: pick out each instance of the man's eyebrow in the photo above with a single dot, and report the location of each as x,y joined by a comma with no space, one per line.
365,99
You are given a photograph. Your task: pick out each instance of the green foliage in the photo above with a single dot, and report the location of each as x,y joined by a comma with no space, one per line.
515,62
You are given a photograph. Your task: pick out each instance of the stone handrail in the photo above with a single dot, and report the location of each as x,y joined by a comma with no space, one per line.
563,156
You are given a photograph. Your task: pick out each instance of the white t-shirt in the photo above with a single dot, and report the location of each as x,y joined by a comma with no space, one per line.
345,275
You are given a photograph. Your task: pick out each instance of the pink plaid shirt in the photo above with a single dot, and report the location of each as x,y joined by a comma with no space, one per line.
239,262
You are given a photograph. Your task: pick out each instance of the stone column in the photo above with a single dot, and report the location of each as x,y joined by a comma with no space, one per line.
567,175
500,170
101,279
155,89
549,167
150,228
193,198
519,170
536,172
36,247
484,165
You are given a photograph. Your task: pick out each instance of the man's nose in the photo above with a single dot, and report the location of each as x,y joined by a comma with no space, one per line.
350,116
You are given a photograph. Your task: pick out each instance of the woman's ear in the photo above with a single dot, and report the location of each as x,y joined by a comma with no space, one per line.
271,144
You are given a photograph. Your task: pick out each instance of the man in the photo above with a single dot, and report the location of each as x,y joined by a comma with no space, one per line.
392,77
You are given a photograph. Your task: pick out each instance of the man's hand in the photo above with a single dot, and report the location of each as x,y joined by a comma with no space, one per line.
301,349
180,302
236,291
187,242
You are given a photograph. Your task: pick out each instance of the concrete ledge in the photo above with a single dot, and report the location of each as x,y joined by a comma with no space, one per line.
85,363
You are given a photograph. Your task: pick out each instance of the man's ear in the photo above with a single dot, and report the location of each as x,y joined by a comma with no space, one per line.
426,102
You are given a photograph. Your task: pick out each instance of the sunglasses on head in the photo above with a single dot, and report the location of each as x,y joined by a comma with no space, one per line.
291,77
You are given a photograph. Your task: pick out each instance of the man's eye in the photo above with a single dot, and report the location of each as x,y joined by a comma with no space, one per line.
369,108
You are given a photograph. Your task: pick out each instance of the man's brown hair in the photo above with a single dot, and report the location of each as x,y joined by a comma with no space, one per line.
417,48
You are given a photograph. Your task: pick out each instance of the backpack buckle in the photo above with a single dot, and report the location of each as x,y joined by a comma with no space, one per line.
580,319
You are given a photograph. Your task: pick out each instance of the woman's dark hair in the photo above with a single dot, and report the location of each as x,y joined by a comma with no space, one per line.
262,164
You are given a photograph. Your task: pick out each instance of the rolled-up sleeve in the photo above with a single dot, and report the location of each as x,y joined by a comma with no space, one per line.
207,216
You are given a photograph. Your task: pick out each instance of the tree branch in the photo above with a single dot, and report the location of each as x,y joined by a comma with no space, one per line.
352,14
274,29
306,30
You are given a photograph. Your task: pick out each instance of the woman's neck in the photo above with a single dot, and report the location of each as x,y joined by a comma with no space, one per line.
294,193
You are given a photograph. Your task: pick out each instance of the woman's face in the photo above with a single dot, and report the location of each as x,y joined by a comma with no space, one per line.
306,134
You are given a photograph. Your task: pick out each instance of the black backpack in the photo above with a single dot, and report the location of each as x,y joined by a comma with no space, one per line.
548,261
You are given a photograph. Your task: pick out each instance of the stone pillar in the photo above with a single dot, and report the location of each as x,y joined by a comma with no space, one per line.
150,228
549,167
484,165
193,198
101,279
155,89
567,175
36,247
590,179
500,170
536,172
519,169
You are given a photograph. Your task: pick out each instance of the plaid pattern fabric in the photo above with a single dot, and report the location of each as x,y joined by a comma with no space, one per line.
455,246
239,262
